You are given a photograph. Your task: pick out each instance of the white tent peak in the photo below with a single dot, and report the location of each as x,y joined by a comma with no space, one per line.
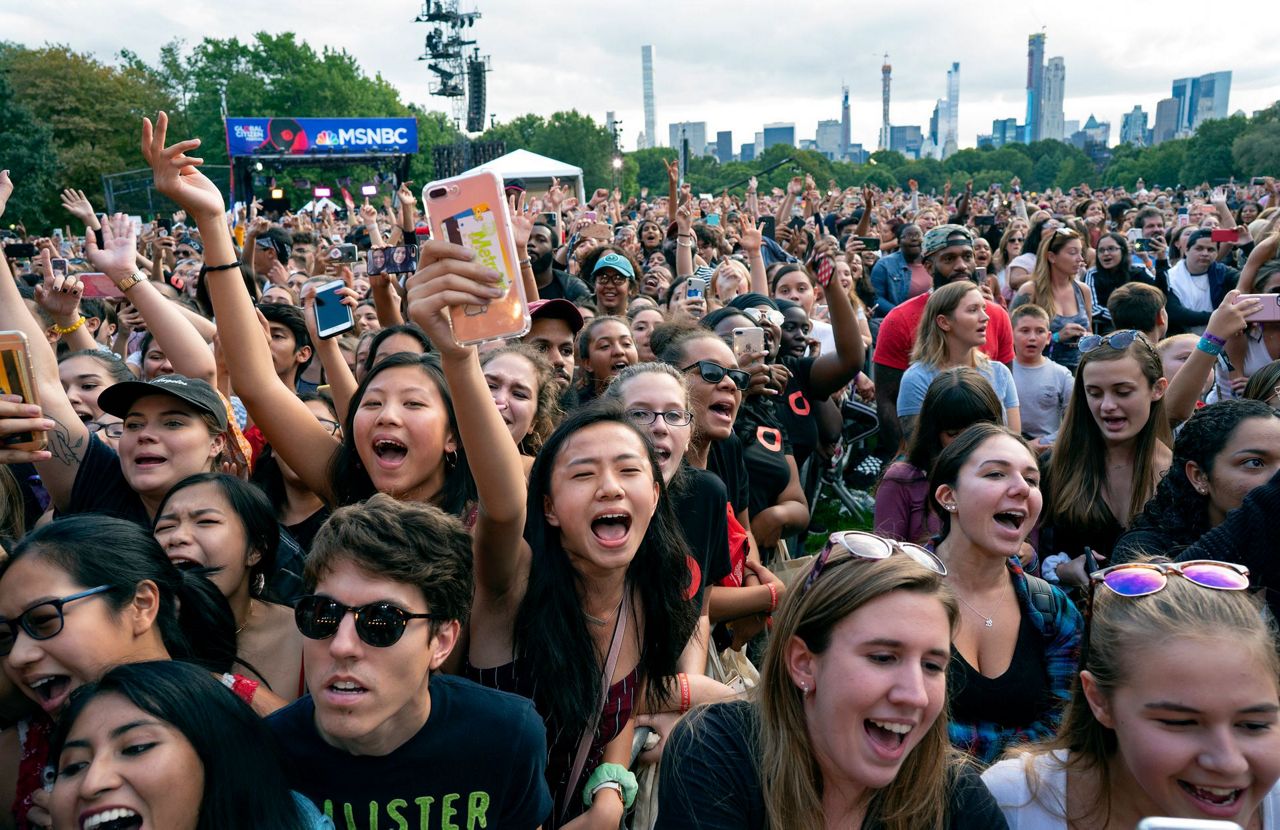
537,171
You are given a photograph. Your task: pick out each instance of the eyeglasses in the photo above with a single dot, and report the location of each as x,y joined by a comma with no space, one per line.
112,431
713,373
673,417
862,545
331,425
1140,579
379,624
755,315
1118,340
42,621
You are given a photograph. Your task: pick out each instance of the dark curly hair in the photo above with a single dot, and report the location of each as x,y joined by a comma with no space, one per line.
1176,509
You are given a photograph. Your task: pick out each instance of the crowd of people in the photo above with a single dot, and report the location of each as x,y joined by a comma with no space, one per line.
257,577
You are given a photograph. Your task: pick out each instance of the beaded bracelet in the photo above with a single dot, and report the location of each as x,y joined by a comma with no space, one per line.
63,331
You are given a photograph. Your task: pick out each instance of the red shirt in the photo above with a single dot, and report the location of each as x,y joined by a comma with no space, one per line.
898,334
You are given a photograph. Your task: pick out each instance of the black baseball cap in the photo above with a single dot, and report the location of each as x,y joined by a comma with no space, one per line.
119,398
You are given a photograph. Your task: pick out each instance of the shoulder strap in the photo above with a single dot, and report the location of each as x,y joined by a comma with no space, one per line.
589,733
1044,603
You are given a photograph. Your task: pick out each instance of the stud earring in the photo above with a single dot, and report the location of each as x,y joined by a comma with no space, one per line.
950,508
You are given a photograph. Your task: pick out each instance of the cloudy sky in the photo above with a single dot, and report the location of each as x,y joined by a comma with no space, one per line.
738,65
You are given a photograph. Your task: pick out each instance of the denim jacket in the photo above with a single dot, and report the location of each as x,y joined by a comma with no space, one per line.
891,278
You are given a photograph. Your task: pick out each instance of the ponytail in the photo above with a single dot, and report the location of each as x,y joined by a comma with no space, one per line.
204,630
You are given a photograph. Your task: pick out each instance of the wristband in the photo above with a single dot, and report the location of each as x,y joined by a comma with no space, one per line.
62,331
1209,347
1054,338
612,774
1215,339
684,244
686,696
773,596
525,261
208,269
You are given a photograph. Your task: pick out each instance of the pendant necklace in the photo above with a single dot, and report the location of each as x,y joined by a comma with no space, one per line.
987,621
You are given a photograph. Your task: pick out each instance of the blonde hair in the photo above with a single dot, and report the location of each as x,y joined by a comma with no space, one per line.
1121,629
1042,274
789,775
931,340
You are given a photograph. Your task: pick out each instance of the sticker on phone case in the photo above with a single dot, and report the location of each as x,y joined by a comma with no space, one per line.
477,229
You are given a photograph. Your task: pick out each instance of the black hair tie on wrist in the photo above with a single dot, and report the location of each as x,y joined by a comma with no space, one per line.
210,268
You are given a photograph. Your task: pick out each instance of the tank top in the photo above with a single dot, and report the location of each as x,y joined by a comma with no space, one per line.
1068,354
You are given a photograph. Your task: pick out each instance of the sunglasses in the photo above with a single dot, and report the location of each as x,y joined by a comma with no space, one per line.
1118,340
713,373
378,624
862,545
1140,579
756,315
42,621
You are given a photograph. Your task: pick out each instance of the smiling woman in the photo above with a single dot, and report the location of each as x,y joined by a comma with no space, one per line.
161,745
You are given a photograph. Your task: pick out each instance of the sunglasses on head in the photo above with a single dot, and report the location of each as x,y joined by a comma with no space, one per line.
862,545
1141,579
1118,340
713,373
378,624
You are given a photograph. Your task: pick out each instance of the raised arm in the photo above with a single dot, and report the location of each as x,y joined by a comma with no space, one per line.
832,372
293,431
186,349
448,276
1228,322
342,384
752,241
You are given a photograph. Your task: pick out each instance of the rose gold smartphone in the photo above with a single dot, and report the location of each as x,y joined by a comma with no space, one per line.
471,211
16,379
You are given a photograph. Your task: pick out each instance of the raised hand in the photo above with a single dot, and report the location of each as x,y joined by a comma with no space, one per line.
176,174
368,213
555,194
116,258
796,186
521,221
78,205
448,276
6,190
752,237
59,294
406,195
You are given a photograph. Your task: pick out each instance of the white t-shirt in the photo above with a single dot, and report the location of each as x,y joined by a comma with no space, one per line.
1046,809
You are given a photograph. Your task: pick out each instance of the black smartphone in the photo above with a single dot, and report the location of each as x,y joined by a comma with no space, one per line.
870,243
770,225
984,221
401,259
1142,244
20,250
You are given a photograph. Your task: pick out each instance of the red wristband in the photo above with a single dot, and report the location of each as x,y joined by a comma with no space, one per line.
773,597
244,688
686,697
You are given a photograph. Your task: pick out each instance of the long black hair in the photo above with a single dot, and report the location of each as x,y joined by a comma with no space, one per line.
261,531
244,779
551,634
195,622
410,329
1176,508
351,482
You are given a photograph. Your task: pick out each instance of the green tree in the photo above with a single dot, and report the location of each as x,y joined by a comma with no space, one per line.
26,150
1209,155
650,170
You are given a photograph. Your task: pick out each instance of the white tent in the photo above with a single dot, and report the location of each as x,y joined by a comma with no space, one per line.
318,206
537,171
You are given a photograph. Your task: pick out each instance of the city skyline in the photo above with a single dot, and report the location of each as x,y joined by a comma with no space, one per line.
736,81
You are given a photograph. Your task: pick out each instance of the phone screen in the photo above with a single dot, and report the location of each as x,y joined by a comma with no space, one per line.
332,317
401,259
16,379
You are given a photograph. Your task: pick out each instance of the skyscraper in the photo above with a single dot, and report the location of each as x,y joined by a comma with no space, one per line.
695,132
885,72
951,128
906,140
1133,127
1200,99
1035,85
830,137
650,119
845,125
1051,116
724,146
779,133
1166,126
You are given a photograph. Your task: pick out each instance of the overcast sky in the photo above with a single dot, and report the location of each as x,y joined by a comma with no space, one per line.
739,65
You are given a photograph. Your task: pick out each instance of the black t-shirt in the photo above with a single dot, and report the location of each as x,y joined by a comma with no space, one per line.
765,447
797,411
477,762
564,286
699,501
725,461
304,531
100,487
710,779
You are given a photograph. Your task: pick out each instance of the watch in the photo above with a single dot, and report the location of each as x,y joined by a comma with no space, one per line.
131,280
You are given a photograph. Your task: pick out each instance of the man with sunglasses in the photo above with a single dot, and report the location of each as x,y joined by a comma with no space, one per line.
382,740
948,254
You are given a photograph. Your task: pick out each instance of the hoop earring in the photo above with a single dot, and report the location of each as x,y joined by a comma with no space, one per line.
451,459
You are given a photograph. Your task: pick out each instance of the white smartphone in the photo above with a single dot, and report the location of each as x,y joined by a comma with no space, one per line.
1158,823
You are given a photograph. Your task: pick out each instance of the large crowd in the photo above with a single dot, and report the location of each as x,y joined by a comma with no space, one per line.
259,576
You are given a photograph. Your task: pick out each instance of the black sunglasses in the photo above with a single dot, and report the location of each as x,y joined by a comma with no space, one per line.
713,373
379,624
42,621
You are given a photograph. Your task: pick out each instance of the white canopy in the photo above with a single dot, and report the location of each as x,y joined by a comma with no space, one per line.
537,171
323,203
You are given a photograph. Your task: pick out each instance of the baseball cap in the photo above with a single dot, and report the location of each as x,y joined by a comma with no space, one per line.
556,309
944,236
617,262
119,398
